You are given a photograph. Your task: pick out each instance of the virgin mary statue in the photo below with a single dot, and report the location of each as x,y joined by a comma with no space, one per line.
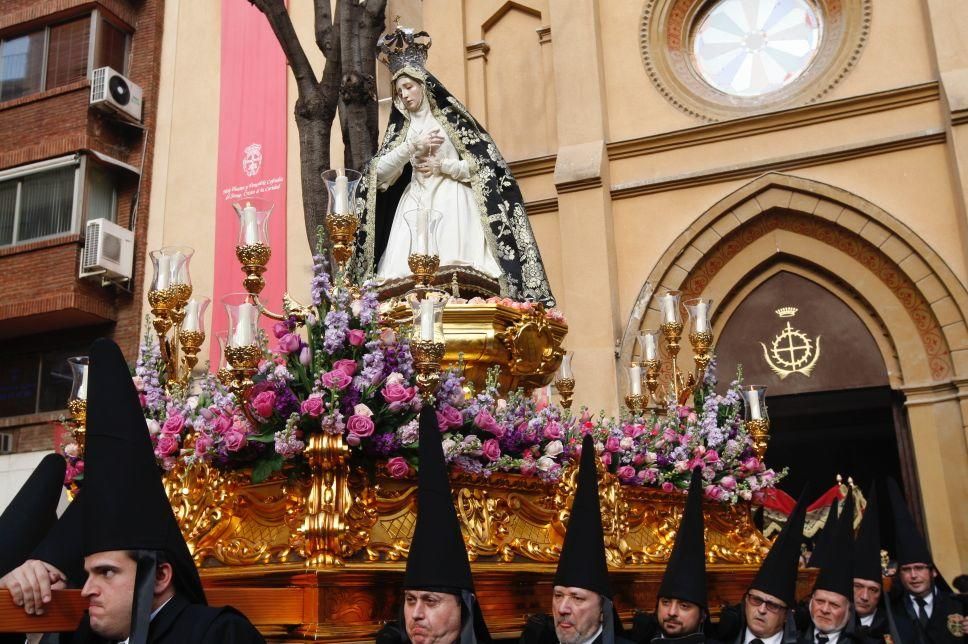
436,156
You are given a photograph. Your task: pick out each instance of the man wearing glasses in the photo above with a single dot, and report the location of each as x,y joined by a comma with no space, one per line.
924,612
766,613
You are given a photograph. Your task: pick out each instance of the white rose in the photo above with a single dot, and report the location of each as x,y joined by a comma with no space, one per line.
545,463
626,443
362,410
449,446
71,450
395,378
153,426
554,448
746,495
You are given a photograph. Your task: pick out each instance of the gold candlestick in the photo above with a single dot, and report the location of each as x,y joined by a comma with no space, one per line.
566,388
191,342
244,361
759,431
253,258
427,356
682,387
636,403
424,268
341,228
701,342
652,378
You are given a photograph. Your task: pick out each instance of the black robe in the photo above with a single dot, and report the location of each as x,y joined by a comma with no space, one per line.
945,608
847,636
180,622
878,627
645,629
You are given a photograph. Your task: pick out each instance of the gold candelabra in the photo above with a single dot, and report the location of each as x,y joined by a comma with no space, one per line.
341,228
191,342
427,356
424,268
253,258
637,403
759,430
566,389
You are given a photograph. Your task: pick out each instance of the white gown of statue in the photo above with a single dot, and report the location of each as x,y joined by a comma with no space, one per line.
460,233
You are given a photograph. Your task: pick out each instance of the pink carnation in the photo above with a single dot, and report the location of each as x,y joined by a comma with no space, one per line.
336,379
397,467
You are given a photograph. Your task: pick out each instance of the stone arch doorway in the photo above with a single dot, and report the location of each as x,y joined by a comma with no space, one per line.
910,302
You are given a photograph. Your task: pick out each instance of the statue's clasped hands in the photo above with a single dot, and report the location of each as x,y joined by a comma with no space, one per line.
425,162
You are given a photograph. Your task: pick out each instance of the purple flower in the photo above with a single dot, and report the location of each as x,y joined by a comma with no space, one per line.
336,328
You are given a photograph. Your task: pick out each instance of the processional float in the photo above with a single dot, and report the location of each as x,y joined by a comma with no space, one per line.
273,494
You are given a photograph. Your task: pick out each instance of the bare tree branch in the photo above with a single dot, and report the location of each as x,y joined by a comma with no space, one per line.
275,12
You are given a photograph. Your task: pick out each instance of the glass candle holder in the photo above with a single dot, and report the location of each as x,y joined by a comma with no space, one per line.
78,366
669,307
341,184
699,309
223,341
649,344
564,370
754,399
427,306
195,311
243,320
253,216
423,223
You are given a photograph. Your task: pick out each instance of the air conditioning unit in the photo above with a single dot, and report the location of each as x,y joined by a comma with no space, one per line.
110,91
108,250
6,442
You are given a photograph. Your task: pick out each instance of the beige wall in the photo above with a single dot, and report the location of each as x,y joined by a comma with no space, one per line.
620,179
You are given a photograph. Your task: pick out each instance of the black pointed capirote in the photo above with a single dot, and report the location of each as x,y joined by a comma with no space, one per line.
685,574
31,513
910,547
823,542
837,575
125,506
582,563
867,545
777,575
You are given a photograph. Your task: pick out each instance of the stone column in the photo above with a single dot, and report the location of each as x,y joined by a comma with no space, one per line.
937,431
477,80
548,73
588,292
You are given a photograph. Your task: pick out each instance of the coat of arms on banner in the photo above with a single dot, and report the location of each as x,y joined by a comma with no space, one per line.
792,350
252,159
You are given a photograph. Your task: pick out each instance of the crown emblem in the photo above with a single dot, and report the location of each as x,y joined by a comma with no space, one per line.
403,47
787,311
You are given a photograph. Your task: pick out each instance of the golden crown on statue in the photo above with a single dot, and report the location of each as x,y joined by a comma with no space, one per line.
403,47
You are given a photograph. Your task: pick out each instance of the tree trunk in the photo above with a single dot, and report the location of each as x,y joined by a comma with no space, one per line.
347,39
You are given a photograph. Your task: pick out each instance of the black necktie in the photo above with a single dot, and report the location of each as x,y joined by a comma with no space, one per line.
756,640
822,639
922,611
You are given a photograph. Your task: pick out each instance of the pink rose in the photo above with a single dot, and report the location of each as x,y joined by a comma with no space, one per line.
728,483
167,445
752,464
356,337
289,343
715,492
346,366
528,466
626,473
280,329
203,443
613,444
668,487
491,449
398,467
361,426
264,404
312,406
222,424
234,440
173,424
336,379
711,456
486,422
606,458
552,431
449,417
397,395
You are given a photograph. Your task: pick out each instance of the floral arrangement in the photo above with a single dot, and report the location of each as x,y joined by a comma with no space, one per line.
349,375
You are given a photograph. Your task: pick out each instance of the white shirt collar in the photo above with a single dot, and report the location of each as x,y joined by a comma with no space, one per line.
867,620
773,639
831,637
153,613
593,637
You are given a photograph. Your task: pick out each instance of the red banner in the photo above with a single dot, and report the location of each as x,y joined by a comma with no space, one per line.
251,152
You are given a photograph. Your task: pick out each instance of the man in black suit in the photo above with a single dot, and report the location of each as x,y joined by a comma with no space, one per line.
869,611
142,584
923,608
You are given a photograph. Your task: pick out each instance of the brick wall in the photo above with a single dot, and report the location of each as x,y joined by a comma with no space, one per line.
42,293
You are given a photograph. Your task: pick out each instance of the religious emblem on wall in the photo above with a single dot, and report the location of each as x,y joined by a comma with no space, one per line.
791,350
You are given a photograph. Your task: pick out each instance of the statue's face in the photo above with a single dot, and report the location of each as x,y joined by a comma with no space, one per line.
410,92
